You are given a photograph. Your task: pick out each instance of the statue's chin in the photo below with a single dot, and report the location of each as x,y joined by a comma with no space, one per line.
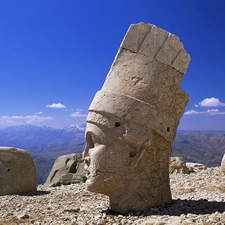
90,184
97,186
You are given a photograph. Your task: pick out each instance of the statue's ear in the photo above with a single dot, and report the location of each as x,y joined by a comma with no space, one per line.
136,151
135,158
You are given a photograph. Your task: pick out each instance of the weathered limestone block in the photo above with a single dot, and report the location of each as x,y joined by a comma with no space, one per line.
132,120
67,169
17,171
177,165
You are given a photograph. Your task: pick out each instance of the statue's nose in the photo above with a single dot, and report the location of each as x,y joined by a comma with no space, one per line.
85,152
87,160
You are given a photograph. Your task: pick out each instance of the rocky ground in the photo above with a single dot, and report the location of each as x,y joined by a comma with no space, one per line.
198,198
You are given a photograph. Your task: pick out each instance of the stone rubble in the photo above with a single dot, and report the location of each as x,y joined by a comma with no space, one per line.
198,198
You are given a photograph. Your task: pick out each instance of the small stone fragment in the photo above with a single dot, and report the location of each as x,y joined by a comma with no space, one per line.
195,166
23,216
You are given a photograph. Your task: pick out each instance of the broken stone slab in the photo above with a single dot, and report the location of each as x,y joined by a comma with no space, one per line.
67,169
132,120
17,171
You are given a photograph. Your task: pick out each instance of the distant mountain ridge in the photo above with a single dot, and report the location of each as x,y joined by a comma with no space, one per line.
207,147
45,144
39,139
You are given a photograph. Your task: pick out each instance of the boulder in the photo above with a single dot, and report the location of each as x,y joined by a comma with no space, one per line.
193,167
132,120
67,169
17,171
177,165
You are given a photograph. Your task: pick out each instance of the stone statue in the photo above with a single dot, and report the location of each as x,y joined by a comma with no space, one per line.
132,120
67,169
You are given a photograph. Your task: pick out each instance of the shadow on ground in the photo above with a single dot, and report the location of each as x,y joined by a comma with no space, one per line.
179,207
35,193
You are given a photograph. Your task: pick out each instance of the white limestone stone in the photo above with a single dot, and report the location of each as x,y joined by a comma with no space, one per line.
132,120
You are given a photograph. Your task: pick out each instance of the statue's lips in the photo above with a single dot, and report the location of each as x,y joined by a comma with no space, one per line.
88,174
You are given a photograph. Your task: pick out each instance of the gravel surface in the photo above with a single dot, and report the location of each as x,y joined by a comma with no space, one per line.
198,198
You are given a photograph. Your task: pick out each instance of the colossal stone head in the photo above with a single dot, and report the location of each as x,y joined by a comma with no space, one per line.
132,120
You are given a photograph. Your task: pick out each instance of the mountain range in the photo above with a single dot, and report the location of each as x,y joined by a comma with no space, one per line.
46,144
206,147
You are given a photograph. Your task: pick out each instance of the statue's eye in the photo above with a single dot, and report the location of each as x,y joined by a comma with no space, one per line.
117,124
89,141
92,140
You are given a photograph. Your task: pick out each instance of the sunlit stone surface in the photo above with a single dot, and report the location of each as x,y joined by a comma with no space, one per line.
132,120
17,171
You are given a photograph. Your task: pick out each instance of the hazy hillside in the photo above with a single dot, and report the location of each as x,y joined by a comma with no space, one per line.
200,146
45,144
40,140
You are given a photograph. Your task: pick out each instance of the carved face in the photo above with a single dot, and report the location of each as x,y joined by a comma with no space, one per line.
106,161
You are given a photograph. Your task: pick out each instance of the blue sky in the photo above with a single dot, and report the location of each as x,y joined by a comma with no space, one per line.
55,55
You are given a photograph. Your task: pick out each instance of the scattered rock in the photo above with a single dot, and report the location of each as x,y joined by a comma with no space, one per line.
197,199
195,166
23,216
17,171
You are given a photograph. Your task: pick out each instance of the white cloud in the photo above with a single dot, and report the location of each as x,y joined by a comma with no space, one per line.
56,106
78,114
191,112
22,120
211,102
38,113
195,105
210,112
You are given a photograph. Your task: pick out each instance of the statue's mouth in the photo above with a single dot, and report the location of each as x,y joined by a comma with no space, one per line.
92,175
88,174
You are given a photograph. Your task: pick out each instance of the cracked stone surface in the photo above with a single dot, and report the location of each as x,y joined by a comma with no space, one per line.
132,120
17,171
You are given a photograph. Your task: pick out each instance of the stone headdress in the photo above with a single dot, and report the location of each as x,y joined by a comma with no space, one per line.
142,89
